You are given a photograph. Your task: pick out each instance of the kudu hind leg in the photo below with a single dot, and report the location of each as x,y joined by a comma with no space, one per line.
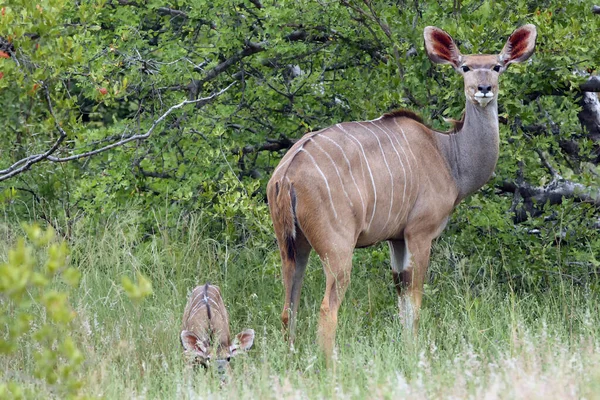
410,259
337,267
293,275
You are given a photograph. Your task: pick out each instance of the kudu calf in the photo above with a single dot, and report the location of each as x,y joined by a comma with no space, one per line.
205,331
393,178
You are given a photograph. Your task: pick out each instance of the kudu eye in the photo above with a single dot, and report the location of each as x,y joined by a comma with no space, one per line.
228,358
497,68
465,68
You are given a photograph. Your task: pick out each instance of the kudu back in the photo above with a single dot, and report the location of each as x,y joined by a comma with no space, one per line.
205,330
355,184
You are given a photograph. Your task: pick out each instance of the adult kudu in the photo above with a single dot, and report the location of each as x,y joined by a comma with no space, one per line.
393,178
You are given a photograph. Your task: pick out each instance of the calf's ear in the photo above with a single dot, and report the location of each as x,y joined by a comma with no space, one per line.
243,341
191,343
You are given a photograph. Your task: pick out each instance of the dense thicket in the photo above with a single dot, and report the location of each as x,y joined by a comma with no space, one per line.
189,105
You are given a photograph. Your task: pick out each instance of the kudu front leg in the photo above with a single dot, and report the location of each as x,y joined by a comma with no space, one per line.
337,269
410,260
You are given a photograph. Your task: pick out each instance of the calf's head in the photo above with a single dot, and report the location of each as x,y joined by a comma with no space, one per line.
216,354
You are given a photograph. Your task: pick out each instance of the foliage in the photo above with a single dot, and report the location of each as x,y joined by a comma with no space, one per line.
476,341
111,69
137,292
514,280
34,311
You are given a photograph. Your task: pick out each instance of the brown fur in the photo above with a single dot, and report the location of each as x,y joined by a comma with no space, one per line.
403,113
210,322
392,179
205,330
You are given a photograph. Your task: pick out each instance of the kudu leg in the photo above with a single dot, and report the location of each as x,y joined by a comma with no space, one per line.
410,259
337,267
293,275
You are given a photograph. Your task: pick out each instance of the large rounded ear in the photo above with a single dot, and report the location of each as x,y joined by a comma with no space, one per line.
243,341
440,47
520,45
193,344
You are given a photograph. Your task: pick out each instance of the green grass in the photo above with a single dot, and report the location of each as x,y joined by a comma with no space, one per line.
476,341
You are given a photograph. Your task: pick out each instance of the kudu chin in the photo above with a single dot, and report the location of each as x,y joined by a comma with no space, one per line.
355,184
205,330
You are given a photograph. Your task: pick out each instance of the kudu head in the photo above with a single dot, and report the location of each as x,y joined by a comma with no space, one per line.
216,354
480,71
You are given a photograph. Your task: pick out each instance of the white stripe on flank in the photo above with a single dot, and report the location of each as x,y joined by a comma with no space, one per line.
407,145
406,140
202,304
407,160
195,309
213,301
324,178
401,165
302,141
350,169
370,173
195,306
336,171
389,171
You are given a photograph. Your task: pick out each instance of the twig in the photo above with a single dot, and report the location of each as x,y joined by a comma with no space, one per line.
250,49
26,163
546,164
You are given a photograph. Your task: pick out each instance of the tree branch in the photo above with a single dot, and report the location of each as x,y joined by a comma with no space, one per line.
591,85
271,145
554,192
546,164
182,14
251,48
26,163
172,12
257,3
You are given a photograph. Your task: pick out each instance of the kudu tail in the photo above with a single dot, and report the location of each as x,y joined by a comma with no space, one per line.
282,203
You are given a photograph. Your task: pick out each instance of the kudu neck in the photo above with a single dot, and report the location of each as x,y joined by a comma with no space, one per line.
472,152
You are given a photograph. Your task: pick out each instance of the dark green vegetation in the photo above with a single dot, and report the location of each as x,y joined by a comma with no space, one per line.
474,340
515,266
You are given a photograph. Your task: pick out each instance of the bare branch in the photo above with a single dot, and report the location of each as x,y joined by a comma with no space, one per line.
172,12
554,193
591,85
26,163
168,11
182,14
270,145
257,3
546,164
251,48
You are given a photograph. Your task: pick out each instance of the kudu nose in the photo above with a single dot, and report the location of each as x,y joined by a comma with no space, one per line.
221,366
484,88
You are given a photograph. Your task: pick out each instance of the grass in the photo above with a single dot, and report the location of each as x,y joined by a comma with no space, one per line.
476,341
